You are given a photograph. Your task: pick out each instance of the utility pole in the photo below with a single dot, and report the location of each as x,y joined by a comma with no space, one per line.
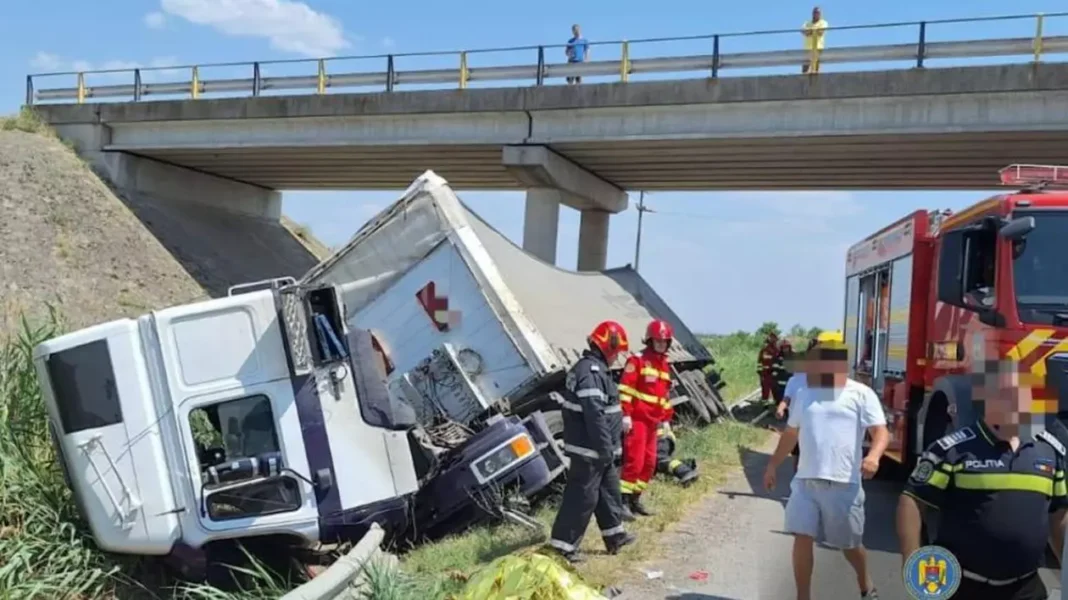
638,242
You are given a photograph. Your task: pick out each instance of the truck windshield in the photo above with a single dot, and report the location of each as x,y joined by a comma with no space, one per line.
1040,269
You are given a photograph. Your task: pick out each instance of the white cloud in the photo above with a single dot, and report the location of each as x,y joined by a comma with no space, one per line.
155,20
388,43
290,26
45,61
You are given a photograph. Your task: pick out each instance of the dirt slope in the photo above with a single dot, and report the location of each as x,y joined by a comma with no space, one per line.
66,239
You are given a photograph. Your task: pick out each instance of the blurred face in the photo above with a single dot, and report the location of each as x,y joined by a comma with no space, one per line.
575,30
1003,394
660,346
826,368
816,14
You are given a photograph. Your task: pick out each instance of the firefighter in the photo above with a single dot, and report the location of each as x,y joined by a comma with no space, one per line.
593,423
780,371
684,471
765,360
643,392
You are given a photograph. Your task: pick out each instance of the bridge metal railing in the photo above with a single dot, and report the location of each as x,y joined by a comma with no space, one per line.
320,78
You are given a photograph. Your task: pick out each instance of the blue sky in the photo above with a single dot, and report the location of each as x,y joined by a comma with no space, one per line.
725,261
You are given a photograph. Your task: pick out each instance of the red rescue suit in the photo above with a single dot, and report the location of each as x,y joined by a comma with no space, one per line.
766,360
643,393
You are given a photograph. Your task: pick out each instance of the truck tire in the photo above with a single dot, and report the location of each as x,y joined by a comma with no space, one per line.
554,420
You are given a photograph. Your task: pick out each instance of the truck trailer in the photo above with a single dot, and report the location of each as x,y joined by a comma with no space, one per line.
407,380
931,297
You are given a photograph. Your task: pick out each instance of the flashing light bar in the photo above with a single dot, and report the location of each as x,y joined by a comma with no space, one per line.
1025,175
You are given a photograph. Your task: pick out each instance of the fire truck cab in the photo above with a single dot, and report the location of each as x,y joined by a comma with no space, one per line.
933,296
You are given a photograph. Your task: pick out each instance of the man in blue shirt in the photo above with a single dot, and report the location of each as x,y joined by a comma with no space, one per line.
578,50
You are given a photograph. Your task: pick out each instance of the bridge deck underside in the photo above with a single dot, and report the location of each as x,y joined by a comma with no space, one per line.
940,161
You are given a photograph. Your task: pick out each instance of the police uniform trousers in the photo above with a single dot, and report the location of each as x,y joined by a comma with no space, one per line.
1028,588
592,489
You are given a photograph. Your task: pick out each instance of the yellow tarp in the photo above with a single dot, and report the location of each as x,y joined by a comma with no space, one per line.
529,577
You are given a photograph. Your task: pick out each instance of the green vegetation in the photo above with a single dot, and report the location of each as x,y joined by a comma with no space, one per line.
27,120
47,552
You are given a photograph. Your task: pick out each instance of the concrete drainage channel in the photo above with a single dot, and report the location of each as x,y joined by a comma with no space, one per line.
346,579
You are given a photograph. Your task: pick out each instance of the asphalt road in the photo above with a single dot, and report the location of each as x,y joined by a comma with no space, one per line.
732,548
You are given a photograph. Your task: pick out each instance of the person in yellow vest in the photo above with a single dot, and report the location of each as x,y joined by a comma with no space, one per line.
813,33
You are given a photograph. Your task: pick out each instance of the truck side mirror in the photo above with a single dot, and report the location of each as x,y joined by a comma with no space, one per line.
1017,229
951,269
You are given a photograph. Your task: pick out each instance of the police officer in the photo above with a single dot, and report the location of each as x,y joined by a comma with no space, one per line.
593,422
1000,494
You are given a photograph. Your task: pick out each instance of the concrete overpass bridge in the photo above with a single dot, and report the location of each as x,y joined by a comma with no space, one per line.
583,146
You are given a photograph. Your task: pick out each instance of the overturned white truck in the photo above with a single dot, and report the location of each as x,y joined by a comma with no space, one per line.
406,380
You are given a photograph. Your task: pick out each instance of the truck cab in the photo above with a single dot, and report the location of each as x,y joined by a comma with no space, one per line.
258,415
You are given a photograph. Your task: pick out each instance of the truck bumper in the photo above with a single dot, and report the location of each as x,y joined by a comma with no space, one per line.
457,490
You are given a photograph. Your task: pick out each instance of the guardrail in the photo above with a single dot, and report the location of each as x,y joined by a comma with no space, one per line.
540,71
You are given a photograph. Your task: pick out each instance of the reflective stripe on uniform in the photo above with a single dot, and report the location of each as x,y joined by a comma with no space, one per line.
590,393
628,487
611,410
570,405
674,464
629,391
1022,482
656,373
561,545
580,451
611,531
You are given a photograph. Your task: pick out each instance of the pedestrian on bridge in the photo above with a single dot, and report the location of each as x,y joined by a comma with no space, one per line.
832,414
577,51
813,34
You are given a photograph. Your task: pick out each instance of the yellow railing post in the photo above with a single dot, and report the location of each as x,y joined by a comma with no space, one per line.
81,88
321,86
194,86
463,70
624,62
1038,36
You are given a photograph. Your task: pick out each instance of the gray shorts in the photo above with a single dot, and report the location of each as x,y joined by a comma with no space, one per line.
829,511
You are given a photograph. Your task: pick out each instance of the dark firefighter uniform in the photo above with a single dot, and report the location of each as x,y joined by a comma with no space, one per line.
684,471
994,506
779,373
765,360
593,422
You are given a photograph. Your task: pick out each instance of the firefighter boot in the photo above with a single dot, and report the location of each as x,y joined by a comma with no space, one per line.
616,542
637,507
626,515
685,471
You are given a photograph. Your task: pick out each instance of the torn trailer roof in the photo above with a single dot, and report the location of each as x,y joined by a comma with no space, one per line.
548,311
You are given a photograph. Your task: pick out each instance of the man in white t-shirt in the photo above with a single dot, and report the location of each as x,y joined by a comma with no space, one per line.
831,415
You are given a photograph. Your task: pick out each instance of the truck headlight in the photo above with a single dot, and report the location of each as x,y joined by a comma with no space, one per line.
487,466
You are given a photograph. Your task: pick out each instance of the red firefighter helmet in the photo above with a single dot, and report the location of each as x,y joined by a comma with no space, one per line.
610,338
658,329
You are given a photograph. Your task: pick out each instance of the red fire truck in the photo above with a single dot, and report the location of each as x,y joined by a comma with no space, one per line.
933,295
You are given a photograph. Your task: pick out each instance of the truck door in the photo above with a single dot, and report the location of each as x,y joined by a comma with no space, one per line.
228,379
101,405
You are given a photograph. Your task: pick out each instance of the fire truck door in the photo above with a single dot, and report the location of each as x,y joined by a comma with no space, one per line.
882,328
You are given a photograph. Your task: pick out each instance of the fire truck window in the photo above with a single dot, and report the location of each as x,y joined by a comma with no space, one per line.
1040,270
979,268
240,460
83,382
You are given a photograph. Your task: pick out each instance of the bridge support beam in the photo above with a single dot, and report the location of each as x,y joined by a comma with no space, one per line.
553,180
170,183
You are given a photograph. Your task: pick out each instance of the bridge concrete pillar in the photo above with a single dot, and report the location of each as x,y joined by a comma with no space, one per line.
593,240
541,223
552,180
